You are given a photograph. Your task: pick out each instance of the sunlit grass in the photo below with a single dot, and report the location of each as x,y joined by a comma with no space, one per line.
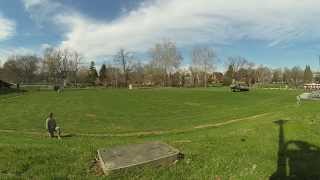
241,150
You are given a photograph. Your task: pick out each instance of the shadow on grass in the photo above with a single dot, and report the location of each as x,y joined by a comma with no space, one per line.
65,136
9,91
296,159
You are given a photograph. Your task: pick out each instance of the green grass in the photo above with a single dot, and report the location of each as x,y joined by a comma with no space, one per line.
112,111
246,149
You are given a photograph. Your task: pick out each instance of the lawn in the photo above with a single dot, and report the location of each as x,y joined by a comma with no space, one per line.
248,148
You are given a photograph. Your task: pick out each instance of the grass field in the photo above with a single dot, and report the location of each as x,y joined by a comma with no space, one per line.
196,121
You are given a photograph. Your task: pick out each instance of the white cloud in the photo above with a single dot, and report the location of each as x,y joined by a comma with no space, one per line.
10,51
29,3
42,10
45,46
7,28
192,22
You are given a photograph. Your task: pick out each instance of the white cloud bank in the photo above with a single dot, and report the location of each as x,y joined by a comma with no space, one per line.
11,51
192,22
7,28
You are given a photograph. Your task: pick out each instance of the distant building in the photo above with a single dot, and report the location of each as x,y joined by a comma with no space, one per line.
217,77
316,75
312,87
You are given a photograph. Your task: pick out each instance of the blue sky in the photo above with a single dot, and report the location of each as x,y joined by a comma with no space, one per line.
274,33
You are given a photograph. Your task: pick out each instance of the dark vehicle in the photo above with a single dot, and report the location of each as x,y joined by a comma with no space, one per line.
239,87
4,85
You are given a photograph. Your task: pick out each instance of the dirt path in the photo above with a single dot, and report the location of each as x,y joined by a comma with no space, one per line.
147,133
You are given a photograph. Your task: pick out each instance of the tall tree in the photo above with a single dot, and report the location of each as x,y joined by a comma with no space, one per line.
93,75
203,59
276,75
308,75
82,75
296,76
263,74
166,57
74,65
11,70
286,75
53,63
124,58
228,76
61,65
138,73
29,67
103,74
237,63
1,70
21,68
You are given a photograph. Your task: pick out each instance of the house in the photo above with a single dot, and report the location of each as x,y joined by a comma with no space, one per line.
216,77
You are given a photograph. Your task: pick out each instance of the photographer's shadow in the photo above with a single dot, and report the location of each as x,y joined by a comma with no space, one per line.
296,159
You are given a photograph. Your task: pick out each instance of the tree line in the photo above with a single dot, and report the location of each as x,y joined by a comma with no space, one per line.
241,70
65,67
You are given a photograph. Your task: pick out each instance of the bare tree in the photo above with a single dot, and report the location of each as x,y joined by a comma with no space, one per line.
237,63
82,75
1,70
166,57
52,60
21,68
153,75
277,75
137,73
203,60
286,75
263,74
29,66
74,62
61,65
296,76
11,70
124,59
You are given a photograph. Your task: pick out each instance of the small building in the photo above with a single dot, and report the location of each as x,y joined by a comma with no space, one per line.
216,77
311,87
316,75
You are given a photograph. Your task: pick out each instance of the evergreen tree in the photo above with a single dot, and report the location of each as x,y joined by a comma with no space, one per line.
228,76
103,74
308,75
93,75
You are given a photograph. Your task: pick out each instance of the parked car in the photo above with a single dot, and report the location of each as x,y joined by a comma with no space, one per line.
239,87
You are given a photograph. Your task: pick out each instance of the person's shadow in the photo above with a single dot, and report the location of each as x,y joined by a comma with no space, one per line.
296,159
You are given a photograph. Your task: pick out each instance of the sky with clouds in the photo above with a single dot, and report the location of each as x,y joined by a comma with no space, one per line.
273,32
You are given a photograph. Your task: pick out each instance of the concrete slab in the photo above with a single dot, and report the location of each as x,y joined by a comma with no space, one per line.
310,96
139,155
305,96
